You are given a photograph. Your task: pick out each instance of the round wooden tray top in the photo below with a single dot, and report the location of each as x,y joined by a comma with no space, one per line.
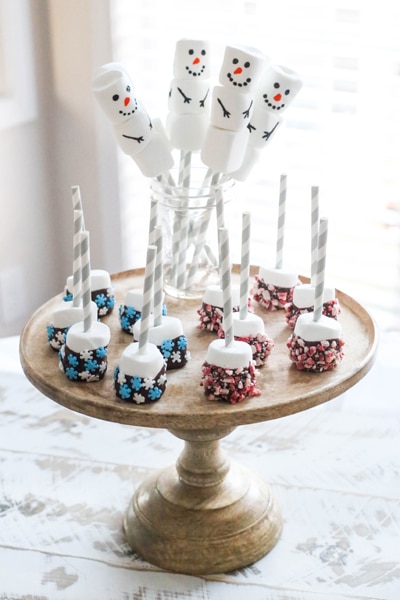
284,389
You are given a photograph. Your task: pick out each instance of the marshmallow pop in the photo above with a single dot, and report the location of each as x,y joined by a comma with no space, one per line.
273,287
231,108
316,344
135,132
140,376
249,327
83,357
130,312
212,308
303,295
276,90
189,95
228,373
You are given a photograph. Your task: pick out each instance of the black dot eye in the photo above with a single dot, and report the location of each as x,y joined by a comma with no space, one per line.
191,51
276,85
203,52
128,88
115,97
246,65
235,61
287,92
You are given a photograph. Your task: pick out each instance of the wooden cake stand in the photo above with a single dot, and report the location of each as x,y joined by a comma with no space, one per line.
205,514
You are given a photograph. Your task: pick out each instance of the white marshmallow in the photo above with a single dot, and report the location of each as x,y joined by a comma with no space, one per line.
79,340
134,134
251,325
251,158
187,132
223,151
137,364
114,91
325,328
230,110
192,59
99,280
263,125
214,295
278,277
303,295
235,356
242,67
155,158
278,88
66,314
189,97
169,329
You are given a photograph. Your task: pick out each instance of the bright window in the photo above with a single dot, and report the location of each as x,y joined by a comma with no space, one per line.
342,133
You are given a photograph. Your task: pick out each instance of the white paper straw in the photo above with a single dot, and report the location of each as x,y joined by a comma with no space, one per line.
76,263
147,298
186,163
77,201
86,287
153,220
245,265
314,231
281,222
225,263
158,277
320,274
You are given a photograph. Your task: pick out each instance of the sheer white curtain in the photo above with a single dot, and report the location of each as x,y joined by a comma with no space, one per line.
342,133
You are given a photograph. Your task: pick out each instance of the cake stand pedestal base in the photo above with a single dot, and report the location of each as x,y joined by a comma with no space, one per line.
204,515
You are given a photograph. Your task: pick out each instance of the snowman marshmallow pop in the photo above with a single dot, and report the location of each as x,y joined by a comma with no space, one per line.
277,89
273,286
303,295
228,372
231,108
189,95
316,344
83,357
137,135
140,376
247,326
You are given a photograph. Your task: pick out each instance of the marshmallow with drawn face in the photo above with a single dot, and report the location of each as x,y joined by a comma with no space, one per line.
189,95
241,68
276,90
132,125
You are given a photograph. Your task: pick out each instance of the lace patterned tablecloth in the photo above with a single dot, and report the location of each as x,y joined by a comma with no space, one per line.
66,480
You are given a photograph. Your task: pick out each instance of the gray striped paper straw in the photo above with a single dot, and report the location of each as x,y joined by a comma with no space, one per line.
314,231
158,276
148,286
281,222
245,265
320,274
86,287
225,265
77,201
76,262
183,220
153,220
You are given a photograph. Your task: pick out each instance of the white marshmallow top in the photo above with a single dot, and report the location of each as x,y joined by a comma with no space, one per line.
235,356
192,59
214,295
325,328
79,340
242,67
251,325
278,277
99,279
277,88
66,314
134,297
146,364
303,295
170,328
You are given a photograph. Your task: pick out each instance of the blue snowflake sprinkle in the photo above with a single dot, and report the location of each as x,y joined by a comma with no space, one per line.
71,373
166,348
68,297
50,332
100,300
136,383
125,391
125,323
73,361
155,393
182,342
91,365
101,352
111,302
130,312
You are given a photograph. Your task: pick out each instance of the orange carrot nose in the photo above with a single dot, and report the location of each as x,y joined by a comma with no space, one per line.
277,97
126,101
237,71
196,61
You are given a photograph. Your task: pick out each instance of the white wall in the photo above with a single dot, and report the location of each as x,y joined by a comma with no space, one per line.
64,145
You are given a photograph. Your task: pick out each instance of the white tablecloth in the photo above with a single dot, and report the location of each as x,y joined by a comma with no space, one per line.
66,480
